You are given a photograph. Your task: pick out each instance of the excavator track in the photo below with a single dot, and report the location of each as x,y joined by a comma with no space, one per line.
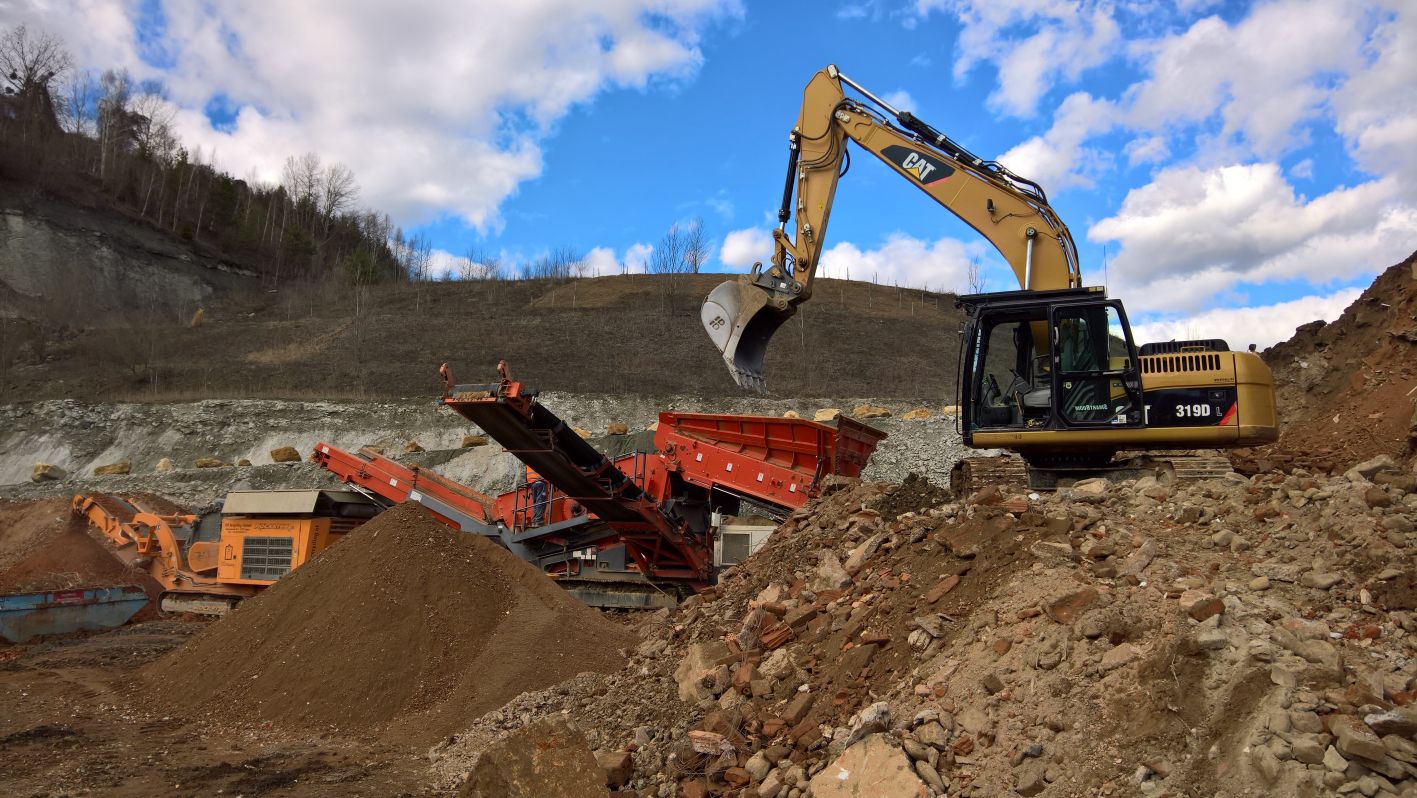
1012,472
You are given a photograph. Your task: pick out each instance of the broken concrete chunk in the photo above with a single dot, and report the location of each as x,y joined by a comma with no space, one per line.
856,560
872,768
1401,721
699,661
1090,490
830,574
547,759
1319,580
1368,469
1139,559
618,767
1354,738
1119,655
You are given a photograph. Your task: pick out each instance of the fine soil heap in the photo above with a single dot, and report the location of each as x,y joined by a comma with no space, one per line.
405,628
43,546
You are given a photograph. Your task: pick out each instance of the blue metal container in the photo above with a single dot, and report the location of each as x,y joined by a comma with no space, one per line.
26,615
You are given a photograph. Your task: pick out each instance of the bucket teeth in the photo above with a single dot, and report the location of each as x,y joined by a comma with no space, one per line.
740,322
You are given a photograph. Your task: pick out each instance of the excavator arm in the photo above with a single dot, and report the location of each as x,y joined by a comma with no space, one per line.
1013,213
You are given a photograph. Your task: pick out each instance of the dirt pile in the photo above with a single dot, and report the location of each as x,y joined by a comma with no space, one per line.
43,546
1346,390
1235,636
406,627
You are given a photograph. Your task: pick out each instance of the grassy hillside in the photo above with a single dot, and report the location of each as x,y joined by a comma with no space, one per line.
625,334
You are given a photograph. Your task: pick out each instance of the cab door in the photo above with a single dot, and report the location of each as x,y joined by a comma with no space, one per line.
1096,377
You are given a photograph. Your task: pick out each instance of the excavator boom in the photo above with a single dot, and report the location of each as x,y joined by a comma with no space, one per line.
1012,212
1049,371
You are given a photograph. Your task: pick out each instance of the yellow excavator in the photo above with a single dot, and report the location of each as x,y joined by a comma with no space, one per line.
1050,371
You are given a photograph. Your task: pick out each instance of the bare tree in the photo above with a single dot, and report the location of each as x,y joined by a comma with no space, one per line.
115,122
481,265
978,282
31,61
302,176
153,131
668,257
78,110
696,250
338,190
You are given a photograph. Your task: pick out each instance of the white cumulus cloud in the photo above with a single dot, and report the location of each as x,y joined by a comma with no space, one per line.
1034,44
1058,159
1263,326
438,107
742,248
941,265
1245,223
603,261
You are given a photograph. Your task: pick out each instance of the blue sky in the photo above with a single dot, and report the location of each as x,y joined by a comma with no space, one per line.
1240,167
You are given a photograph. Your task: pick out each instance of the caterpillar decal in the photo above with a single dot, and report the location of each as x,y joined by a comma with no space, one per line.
925,168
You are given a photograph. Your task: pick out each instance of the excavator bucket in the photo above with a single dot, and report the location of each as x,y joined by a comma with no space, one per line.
740,321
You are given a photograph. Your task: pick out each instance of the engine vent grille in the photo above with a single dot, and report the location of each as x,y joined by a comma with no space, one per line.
1176,347
1175,364
266,558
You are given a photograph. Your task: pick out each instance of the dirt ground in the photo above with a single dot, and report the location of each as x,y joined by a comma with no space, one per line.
73,725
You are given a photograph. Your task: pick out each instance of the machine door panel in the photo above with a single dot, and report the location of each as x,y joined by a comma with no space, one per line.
1095,377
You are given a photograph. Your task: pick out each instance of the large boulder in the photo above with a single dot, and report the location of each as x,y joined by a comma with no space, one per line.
469,441
164,465
617,428
547,759
209,462
827,414
285,454
871,411
872,768
114,469
47,472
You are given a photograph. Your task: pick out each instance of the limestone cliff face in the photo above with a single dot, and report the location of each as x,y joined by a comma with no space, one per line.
81,267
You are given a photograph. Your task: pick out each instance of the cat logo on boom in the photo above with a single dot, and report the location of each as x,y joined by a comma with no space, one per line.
919,165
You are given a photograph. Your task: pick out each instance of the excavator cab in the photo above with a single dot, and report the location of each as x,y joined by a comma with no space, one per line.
1041,361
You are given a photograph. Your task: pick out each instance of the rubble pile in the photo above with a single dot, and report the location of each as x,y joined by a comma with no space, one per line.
1237,636
1347,391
